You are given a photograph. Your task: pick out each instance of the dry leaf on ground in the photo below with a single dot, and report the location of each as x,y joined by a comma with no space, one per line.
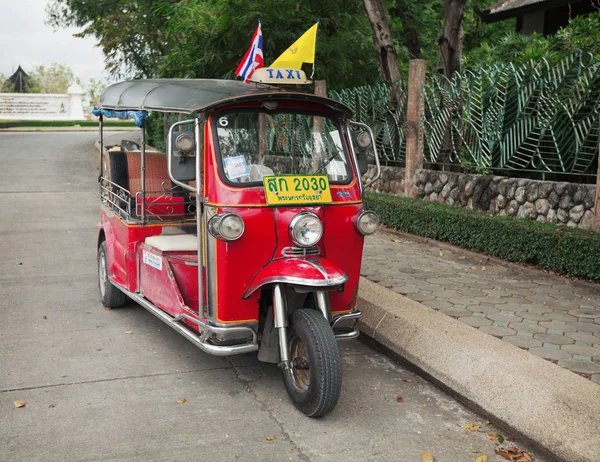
514,454
469,426
271,438
129,332
107,308
400,399
492,436
481,458
426,456
19,403
408,380
182,400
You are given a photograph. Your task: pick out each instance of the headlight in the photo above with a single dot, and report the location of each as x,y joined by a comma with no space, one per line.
226,226
184,142
366,222
306,229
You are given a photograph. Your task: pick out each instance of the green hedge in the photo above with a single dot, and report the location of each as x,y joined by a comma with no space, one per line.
62,123
569,251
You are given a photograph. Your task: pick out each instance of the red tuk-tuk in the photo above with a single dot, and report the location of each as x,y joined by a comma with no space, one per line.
247,234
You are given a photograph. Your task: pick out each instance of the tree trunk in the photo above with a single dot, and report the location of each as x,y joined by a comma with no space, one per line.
384,45
403,12
452,36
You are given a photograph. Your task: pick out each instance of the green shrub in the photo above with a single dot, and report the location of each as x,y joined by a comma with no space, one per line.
569,251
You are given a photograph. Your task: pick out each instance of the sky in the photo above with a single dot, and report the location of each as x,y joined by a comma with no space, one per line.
27,41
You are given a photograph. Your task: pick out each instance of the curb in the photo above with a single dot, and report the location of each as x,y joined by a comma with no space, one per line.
555,409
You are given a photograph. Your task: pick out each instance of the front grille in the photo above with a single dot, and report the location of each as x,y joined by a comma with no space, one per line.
301,252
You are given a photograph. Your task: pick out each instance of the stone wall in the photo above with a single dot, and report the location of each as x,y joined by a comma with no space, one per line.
561,203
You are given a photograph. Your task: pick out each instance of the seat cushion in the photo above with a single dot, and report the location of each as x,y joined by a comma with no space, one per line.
173,243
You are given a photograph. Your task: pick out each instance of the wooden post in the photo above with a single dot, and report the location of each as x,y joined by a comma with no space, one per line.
412,127
597,200
320,90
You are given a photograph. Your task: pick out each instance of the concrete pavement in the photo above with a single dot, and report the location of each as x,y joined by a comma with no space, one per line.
94,392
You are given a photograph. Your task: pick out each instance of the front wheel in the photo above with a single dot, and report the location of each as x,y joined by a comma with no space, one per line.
111,296
314,381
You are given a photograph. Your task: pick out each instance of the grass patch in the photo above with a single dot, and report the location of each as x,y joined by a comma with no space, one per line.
570,251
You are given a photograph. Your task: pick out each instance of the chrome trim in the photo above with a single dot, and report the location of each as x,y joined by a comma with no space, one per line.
313,251
281,322
376,154
299,281
323,304
199,215
199,341
356,168
354,333
293,224
143,174
218,330
354,316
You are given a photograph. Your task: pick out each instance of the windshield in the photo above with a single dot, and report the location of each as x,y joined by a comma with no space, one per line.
255,144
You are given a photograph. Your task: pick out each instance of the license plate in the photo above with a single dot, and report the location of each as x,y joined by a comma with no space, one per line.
297,189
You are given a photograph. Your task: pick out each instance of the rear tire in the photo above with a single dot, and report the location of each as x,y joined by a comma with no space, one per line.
314,382
111,296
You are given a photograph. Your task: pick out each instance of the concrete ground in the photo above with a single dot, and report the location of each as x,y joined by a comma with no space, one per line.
95,392
553,317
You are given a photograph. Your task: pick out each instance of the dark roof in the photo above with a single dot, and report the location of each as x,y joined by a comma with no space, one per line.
189,96
506,9
18,79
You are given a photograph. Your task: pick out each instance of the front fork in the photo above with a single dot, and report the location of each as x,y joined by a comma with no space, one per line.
280,313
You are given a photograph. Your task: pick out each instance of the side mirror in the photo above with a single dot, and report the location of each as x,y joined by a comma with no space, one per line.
184,156
362,143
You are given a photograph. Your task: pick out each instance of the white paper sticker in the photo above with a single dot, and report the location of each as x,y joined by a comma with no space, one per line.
153,260
235,167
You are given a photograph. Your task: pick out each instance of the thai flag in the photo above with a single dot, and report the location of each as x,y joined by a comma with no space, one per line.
253,59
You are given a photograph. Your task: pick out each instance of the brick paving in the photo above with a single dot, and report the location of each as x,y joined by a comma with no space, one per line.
550,316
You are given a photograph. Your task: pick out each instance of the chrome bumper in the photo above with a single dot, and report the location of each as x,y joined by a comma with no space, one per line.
344,326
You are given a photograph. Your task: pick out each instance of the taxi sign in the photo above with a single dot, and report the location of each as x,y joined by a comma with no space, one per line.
297,189
279,75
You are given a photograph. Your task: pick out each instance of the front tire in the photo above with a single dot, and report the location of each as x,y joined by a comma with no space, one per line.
314,382
111,296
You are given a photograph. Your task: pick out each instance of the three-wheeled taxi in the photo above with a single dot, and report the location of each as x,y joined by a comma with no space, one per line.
247,234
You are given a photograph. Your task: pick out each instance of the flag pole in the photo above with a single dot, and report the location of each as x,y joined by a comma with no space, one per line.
315,55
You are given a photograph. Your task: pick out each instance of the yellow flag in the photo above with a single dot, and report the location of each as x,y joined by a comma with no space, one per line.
301,51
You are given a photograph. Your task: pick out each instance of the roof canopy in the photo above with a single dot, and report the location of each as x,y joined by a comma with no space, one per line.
190,96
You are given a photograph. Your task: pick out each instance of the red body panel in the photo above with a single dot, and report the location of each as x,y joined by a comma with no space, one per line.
237,268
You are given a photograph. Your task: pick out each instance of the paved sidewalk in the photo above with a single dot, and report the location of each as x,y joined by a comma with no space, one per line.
548,315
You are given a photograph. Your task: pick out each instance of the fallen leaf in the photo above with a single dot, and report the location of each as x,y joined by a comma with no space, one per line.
513,454
487,422
483,268
408,380
19,263
52,406
473,267
107,308
186,435
129,332
181,401
271,438
441,254
400,399
492,436
469,426
426,456
481,458
19,403
512,440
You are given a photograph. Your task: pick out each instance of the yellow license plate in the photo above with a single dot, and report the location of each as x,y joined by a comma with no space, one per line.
297,189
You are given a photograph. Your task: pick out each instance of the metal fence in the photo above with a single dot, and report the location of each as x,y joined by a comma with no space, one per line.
536,116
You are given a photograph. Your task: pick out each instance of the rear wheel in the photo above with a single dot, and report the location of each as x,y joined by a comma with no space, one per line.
110,295
314,382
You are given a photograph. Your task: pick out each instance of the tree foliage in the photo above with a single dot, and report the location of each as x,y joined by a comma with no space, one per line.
55,78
